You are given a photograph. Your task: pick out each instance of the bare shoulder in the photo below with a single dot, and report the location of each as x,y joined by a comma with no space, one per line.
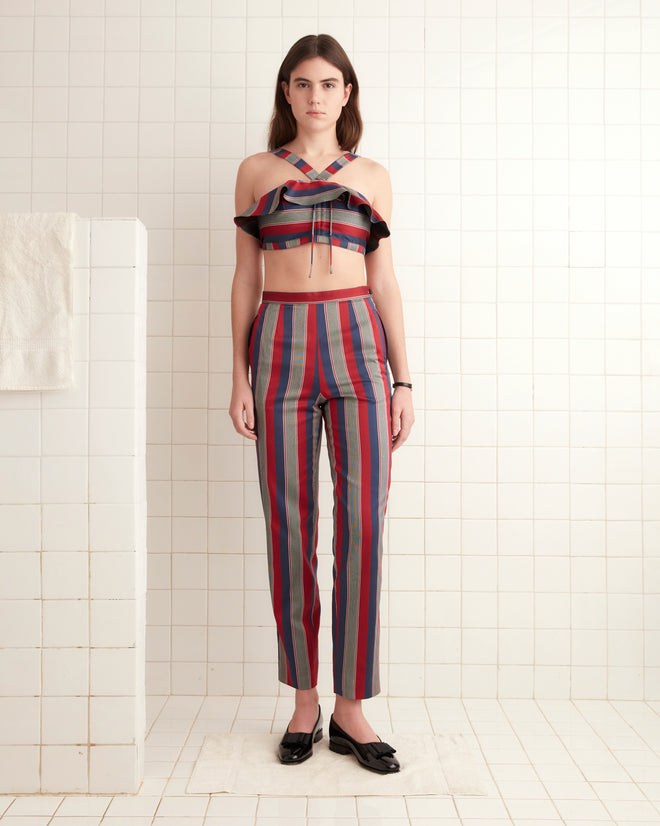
255,164
379,186
251,170
378,181
375,170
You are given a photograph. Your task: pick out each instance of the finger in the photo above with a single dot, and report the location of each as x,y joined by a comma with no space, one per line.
249,417
246,431
241,427
396,422
403,433
400,439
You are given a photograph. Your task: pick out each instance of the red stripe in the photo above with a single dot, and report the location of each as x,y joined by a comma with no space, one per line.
321,295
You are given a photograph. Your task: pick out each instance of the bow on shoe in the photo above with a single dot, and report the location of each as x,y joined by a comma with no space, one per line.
295,737
380,749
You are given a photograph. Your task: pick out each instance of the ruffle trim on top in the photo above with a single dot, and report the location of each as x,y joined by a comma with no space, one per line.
309,193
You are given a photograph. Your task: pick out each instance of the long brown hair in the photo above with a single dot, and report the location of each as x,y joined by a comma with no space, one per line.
283,127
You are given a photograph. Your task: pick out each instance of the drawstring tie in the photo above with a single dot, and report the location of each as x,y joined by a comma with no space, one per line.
330,237
311,256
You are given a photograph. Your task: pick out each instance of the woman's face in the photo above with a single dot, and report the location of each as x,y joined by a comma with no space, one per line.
317,93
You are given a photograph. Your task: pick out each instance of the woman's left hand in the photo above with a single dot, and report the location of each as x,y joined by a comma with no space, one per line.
403,415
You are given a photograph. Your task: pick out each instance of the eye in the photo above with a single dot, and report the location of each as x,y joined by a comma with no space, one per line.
330,85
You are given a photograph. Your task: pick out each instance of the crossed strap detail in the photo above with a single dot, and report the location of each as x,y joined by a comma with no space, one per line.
309,170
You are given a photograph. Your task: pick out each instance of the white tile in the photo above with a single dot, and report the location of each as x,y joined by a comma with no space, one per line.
64,766
133,807
64,432
19,576
79,806
112,337
112,672
19,480
64,479
65,623
21,716
112,623
113,243
113,767
111,432
111,479
35,805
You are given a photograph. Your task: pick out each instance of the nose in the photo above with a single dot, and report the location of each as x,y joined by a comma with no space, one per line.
314,94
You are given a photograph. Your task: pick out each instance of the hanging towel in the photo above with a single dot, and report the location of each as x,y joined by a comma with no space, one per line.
36,300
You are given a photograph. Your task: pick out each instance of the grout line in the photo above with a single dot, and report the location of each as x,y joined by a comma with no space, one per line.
209,352
172,268
569,281
642,336
460,373
41,435
534,664
498,629
605,380
425,502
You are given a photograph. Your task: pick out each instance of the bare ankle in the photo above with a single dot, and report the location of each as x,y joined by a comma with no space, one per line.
306,697
347,707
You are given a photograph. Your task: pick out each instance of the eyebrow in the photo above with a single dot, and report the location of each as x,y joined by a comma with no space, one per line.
327,79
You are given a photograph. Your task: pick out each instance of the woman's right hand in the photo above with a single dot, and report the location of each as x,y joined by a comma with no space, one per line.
241,409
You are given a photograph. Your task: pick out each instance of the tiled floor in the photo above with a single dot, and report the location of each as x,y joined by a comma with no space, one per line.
578,763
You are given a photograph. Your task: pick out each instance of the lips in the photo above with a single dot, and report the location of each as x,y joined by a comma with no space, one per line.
315,113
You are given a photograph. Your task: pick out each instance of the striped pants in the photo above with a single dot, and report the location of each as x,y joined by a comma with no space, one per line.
321,359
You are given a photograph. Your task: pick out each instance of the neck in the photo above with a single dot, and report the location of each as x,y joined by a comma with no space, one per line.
315,146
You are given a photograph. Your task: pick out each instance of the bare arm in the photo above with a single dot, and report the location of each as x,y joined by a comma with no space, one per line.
387,298
245,297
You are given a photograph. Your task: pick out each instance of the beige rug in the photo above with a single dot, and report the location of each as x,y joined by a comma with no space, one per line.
247,764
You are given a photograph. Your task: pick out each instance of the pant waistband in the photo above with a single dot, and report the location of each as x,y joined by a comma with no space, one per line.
321,295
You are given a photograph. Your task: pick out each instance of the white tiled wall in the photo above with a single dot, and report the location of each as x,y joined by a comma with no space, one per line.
73,541
523,554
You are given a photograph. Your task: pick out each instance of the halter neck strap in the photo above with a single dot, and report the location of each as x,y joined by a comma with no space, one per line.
309,170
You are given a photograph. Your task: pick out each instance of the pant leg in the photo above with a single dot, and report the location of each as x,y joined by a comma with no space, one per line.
288,423
358,426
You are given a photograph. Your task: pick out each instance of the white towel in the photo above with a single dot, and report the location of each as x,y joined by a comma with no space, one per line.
245,764
36,300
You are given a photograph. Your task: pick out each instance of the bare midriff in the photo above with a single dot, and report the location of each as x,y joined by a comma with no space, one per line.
288,270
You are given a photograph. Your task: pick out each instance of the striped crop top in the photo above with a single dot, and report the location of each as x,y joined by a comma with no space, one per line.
315,211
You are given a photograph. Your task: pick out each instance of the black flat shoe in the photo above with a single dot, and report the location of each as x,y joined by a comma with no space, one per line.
296,746
377,756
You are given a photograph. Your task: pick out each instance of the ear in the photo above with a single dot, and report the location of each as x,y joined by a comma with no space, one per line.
285,89
347,93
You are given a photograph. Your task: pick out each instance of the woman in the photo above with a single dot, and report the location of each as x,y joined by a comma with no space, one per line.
317,350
